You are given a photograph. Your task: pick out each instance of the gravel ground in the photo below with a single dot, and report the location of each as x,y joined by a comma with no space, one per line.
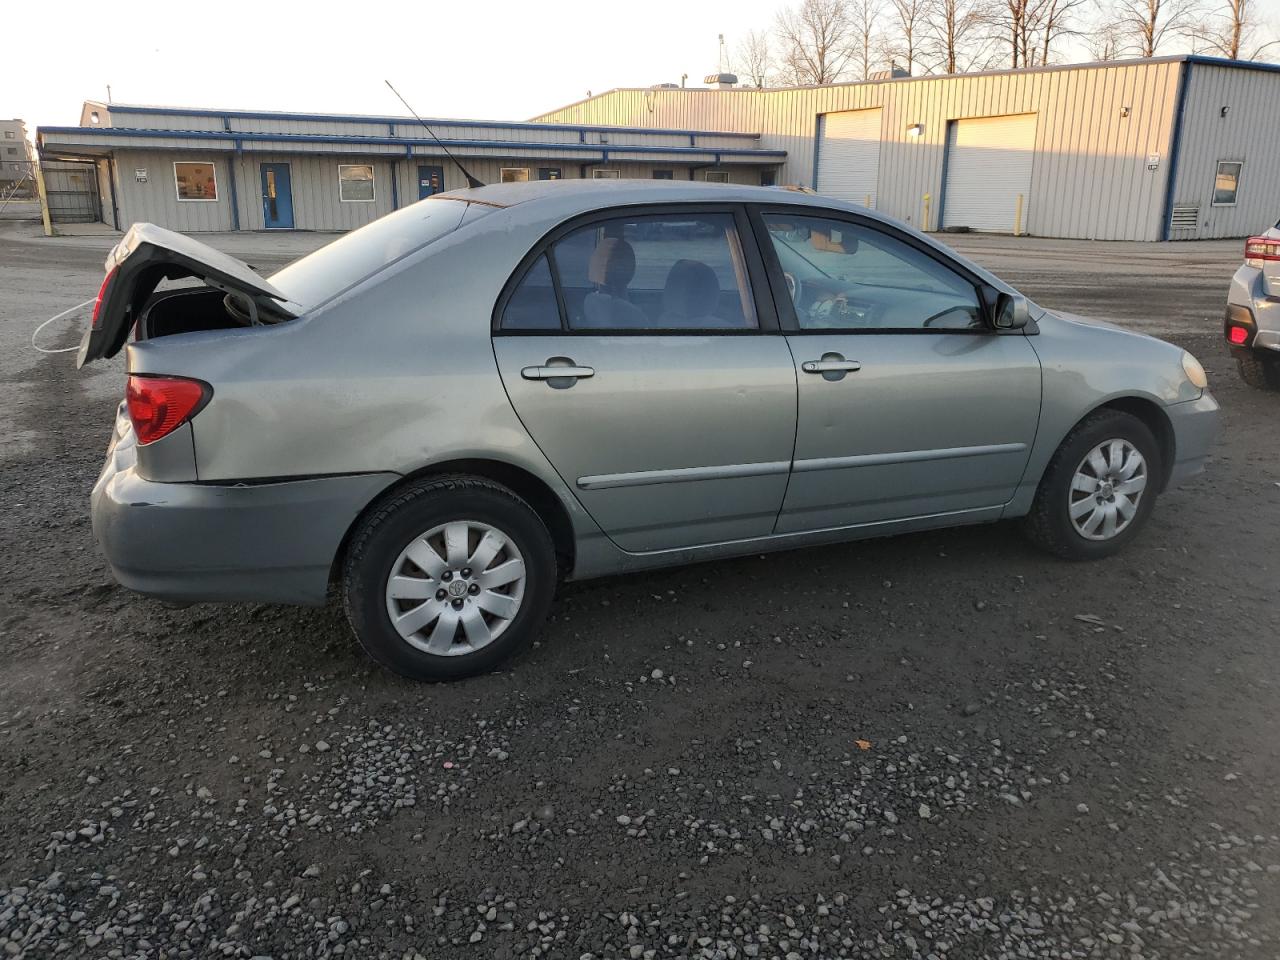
941,746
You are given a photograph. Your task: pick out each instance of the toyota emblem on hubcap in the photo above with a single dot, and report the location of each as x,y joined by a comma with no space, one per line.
457,588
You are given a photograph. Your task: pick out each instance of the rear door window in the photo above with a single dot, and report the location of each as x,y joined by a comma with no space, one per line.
660,272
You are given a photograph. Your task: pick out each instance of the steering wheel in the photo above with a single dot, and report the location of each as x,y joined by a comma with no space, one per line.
844,311
792,286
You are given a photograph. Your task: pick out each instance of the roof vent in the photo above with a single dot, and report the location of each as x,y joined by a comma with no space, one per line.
893,73
721,81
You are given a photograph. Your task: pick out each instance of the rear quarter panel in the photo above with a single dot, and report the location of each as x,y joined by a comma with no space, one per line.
395,375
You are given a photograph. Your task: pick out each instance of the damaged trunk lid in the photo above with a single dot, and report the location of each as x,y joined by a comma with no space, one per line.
148,255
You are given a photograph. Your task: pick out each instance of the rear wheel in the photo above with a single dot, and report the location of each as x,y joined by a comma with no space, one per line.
1098,489
1260,373
449,578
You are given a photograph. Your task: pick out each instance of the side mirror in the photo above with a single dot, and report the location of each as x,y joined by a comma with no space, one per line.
1011,312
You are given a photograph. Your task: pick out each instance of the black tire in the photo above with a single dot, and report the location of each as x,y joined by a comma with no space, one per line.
390,527
1049,525
1259,372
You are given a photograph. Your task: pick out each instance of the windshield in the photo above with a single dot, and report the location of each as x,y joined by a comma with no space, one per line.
361,253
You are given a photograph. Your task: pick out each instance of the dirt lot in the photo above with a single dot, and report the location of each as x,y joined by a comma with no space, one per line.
944,745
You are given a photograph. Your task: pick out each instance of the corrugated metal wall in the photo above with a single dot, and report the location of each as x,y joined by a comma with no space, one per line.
314,183
1090,177
1250,133
157,201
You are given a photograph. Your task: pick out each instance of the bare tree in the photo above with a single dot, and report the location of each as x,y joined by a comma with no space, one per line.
1057,20
909,22
1103,40
1147,24
952,33
816,41
865,16
1015,24
755,59
1230,29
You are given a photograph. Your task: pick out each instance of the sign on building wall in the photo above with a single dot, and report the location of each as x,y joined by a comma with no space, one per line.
140,174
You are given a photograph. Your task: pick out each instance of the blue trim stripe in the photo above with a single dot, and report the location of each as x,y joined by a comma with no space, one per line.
513,147
1184,79
355,118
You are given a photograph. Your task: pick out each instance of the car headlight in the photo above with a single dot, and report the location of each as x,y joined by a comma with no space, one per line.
1194,371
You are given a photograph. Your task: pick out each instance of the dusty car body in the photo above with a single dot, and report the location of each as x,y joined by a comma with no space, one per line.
421,382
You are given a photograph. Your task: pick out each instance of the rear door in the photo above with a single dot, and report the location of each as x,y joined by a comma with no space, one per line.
642,353
909,404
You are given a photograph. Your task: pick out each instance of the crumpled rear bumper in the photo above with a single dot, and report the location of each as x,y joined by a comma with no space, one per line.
258,541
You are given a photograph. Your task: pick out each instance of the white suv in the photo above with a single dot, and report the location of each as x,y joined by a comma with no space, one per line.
1252,321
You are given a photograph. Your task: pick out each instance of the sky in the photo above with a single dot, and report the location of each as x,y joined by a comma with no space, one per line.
495,60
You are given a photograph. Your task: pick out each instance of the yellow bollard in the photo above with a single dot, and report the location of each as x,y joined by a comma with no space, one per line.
44,199
1017,218
924,223
867,204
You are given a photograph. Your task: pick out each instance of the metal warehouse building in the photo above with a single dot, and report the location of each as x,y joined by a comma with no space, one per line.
203,170
1166,148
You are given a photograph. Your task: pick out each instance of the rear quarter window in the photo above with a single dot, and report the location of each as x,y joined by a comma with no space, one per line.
361,253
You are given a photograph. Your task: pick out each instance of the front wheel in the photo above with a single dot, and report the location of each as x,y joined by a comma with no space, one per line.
1098,489
448,578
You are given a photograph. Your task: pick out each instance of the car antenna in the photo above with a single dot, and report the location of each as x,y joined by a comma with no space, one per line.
471,181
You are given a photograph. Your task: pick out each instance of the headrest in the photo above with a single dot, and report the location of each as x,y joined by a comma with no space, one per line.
613,264
692,290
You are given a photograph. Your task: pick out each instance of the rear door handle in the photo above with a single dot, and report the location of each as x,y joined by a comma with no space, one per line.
557,371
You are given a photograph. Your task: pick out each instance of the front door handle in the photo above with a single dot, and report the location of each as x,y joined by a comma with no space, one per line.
559,372
832,366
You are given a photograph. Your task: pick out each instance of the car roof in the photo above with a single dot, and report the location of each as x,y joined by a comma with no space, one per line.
591,194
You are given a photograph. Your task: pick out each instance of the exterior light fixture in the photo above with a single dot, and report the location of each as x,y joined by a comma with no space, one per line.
1224,112
1124,111
915,130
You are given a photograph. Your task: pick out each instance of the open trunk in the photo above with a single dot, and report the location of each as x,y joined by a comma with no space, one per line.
232,295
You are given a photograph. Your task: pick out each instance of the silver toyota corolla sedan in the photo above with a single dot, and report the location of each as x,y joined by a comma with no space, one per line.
448,411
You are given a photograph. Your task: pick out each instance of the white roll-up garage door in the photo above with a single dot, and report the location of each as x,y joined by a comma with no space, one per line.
988,166
849,155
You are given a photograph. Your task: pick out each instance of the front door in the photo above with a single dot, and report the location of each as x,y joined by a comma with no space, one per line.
909,404
430,181
277,196
652,377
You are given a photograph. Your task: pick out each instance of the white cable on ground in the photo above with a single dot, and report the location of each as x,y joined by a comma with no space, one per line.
65,313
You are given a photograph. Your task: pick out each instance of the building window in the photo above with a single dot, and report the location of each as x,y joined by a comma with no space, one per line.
768,178
664,174
717,176
11,151
548,173
1227,183
355,182
514,174
196,181
604,174
8,135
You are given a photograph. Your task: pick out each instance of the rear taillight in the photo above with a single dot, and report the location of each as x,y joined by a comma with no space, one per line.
1238,325
1258,249
96,322
159,405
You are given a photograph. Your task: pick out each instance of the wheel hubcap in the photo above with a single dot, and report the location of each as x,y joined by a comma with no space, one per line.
1106,489
456,588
